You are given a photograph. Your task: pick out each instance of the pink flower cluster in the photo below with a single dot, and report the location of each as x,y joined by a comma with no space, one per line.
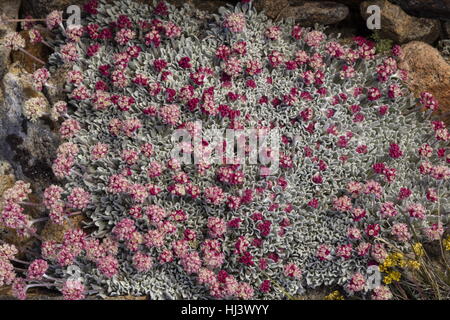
12,214
235,22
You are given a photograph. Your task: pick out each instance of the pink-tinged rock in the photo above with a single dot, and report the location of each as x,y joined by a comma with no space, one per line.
427,71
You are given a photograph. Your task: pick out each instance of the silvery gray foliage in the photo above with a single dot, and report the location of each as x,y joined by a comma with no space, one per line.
309,227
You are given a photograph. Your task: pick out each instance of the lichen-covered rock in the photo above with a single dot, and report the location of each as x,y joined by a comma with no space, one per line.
401,27
41,8
426,8
4,60
352,3
321,12
40,145
444,49
29,147
209,5
446,29
38,50
7,178
55,89
272,8
10,9
55,232
11,113
306,13
427,71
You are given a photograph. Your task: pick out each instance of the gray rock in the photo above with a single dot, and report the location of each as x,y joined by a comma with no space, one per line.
40,8
55,90
7,180
321,12
350,3
272,8
401,27
444,49
4,60
426,8
5,168
10,9
11,113
446,30
28,147
209,5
